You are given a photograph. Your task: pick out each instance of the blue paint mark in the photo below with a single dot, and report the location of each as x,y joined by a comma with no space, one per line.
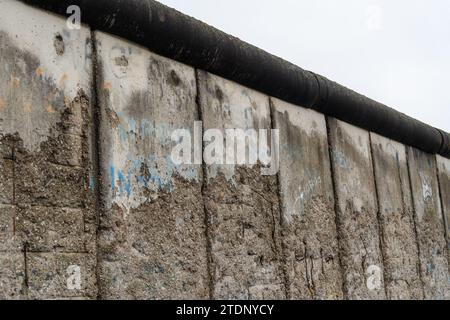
340,159
124,183
147,129
144,125
430,267
132,125
112,177
122,133
160,269
121,181
188,172
142,181
91,183
154,177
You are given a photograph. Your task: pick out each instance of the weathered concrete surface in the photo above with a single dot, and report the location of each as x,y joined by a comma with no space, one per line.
310,242
444,185
12,276
183,231
46,229
152,238
50,275
243,209
45,145
6,175
396,216
37,82
9,241
429,224
357,208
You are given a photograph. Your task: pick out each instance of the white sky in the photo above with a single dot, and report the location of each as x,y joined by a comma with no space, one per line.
394,51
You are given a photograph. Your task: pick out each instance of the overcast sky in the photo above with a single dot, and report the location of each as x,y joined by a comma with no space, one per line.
394,51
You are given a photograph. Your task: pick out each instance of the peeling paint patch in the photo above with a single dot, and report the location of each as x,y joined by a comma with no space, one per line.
141,120
134,182
227,106
36,80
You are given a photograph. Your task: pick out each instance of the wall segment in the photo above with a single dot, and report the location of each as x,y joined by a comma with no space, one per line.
152,241
356,210
306,192
242,206
444,184
396,219
429,224
48,213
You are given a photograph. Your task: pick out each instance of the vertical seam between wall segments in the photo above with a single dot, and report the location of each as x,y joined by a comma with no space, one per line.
13,200
25,264
381,240
13,158
414,220
206,217
287,287
95,131
336,206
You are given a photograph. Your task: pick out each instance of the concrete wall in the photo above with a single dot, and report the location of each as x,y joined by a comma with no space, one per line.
48,216
92,205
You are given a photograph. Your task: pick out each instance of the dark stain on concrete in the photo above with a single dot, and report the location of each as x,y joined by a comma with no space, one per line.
121,61
174,79
58,43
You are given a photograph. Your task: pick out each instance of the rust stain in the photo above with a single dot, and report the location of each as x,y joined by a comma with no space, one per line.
107,86
63,79
15,82
40,71
50,109
27,107
2,104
